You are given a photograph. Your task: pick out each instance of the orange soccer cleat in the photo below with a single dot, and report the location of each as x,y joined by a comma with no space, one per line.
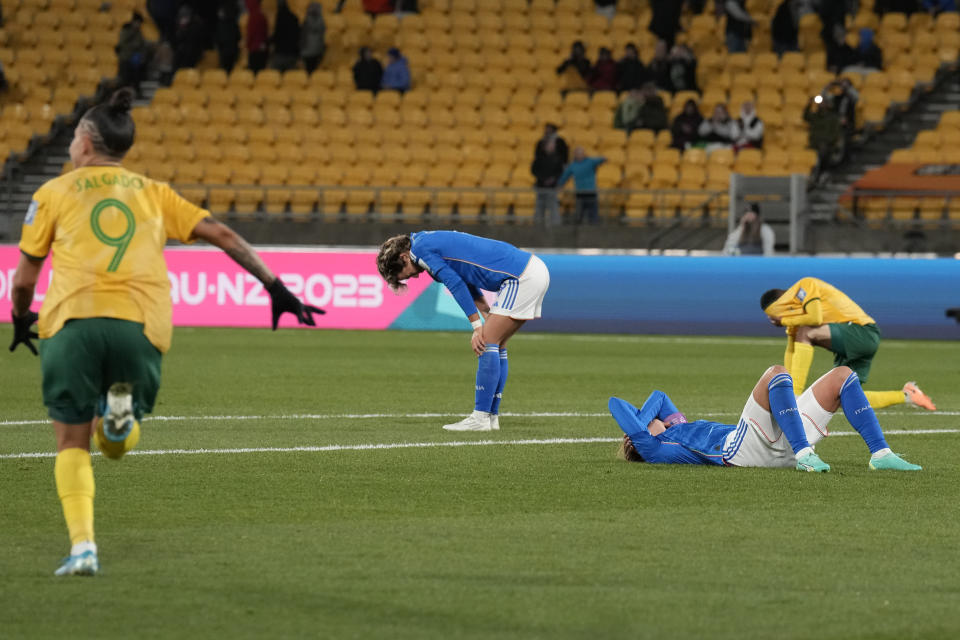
917,397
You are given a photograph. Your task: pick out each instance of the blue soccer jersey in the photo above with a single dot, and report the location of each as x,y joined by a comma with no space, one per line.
698,442
466,263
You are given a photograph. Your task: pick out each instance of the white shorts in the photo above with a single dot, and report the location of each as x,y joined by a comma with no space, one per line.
522,298
758,441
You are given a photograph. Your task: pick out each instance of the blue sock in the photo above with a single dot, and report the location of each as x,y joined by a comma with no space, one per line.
861,414
783,406
504,368
488,376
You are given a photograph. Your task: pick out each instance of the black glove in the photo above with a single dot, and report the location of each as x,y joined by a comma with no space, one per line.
22,332
281,301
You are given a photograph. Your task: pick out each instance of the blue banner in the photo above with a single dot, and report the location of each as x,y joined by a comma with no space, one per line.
717,295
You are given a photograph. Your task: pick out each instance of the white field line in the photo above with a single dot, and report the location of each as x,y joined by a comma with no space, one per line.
412,445
398,416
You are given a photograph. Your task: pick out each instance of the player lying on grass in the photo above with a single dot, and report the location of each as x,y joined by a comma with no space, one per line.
107,317
776,429
816,313
467,264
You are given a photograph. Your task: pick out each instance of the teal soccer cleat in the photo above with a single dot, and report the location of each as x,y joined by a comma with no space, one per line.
812,462
893,462
85,564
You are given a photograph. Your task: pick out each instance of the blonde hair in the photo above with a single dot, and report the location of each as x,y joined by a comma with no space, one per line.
389,261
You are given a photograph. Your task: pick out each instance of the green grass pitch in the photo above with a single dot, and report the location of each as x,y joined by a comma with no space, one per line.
509,540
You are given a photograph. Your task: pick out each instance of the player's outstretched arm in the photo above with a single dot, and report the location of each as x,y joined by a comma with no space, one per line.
281,300
21,294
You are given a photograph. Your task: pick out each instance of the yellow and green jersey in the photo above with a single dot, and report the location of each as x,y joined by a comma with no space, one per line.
107,227
812,302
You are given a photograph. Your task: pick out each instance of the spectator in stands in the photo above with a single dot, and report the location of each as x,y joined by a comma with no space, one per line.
933,7
867,55
397,74
826,133
720,130
132,53
686,126
162,63
228,36
839,53
603,75
682,66
188,38
752,236
627,115
373,7
659,67
665,20
641,109
549,159
4,85
367,71
164,14
783,28
286,38
405,7
739,25
896,6
257,40
583,170
313,37
606,8
577,61
750,128
631,74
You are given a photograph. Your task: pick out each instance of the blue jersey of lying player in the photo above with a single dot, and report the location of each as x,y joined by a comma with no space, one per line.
698,442
465,263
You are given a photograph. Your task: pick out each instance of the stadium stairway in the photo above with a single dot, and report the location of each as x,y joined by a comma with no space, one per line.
45,162
874,151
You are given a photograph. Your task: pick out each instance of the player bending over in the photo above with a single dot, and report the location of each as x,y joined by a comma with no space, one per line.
816,313
107,318
776,429
467,264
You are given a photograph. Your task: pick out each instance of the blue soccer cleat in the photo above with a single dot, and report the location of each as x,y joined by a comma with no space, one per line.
84,564
812,462
893,462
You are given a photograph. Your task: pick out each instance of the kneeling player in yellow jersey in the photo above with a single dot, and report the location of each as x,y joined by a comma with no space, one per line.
816,313
107,316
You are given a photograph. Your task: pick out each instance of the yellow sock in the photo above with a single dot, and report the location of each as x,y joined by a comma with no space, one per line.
881,399
74,476
800,365
788,355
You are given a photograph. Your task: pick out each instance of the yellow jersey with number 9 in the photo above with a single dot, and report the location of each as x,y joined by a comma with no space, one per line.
107,228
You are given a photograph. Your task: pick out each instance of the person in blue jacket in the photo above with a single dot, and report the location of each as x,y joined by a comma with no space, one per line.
583,170
467,265
396,75
776,429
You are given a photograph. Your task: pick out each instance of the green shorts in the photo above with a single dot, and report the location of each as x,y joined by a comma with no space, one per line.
86,356
854,346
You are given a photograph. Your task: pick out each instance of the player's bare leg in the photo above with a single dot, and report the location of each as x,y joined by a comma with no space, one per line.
805,340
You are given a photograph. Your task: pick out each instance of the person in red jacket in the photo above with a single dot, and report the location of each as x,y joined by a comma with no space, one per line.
603,76
378,6
256,36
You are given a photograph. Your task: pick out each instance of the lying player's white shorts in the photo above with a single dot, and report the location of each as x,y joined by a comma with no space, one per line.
758,441
522,298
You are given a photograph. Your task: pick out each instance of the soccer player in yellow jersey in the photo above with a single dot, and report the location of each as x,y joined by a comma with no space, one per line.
816,313
106,319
